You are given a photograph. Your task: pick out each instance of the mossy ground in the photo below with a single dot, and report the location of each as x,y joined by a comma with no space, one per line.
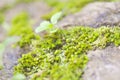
62,55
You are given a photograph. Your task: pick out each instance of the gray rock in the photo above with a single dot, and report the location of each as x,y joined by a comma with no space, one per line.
6,2
95,15
103,64
2,34
10,59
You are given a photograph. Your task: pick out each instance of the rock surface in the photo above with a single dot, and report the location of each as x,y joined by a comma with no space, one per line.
6,2
103,64
9,60
2,34
95,15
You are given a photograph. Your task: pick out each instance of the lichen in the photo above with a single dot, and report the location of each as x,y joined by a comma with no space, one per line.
62,55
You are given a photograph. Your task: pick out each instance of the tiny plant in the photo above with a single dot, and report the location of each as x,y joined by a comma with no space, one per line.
49,25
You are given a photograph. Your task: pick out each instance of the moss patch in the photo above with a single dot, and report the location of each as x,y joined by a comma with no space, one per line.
20,25
62,55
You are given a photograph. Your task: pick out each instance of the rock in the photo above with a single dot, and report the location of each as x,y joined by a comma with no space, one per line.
103,64
10,59
2,34
95,15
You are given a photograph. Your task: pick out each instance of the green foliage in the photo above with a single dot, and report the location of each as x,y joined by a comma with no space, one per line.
49,25
62,55
26,40
20,25
54,19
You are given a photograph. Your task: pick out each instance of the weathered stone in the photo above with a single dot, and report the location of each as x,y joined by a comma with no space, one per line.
2,34
95,15
10,59
6,2
103,64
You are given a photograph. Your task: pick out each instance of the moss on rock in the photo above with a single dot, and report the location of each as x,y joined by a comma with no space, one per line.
20,25
62,55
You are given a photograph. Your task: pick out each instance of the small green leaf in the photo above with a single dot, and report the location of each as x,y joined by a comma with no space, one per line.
54,19
43,26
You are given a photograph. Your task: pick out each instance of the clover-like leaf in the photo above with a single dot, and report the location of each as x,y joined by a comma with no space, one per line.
54,19
43,26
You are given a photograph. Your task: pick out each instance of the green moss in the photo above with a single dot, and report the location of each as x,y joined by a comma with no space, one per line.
62,55
20,25
26,40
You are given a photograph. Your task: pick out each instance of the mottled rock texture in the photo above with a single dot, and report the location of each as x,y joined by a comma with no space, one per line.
95,15
103,64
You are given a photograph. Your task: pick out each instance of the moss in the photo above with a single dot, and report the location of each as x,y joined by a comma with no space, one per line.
20,25
26,40
62,55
